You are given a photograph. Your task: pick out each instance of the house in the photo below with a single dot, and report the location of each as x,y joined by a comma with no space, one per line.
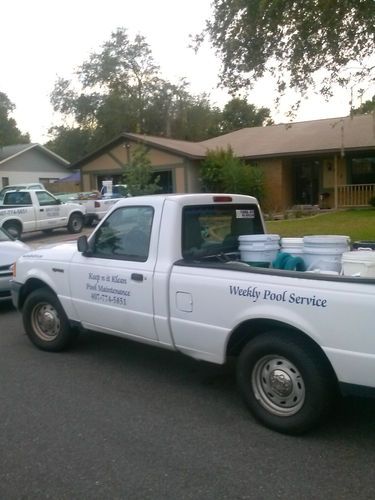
26,163
329,162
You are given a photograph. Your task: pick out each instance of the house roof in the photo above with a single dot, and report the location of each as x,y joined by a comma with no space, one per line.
9,152
308,137
192,150
286,139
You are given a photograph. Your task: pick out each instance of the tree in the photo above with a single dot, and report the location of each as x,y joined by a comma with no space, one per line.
293,41
70,143
238,113
119,89
365,108
9,133
221,171
138,174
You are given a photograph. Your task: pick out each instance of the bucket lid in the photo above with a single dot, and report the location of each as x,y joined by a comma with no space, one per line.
321,239
259,237
292,241
359,256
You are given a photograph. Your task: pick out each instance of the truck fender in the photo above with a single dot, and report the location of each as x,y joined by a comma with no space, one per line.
16,222
35,279
11,218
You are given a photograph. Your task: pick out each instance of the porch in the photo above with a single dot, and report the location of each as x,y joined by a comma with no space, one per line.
347,196
354,195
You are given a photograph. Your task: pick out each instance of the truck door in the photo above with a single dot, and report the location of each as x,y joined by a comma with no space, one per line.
50,212
112,285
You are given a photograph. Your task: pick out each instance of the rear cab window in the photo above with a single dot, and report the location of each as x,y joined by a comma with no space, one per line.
211,230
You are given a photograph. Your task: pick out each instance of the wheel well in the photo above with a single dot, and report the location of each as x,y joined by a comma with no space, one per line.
31,285
76,213
253,328
12,222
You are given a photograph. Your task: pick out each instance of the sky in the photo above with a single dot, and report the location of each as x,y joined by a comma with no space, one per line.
42,40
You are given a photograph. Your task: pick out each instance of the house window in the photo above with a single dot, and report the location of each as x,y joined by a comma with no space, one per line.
362,170
48,180
165,180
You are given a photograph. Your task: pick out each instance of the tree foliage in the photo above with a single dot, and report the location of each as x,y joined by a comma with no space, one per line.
293,40
238,113
221,171
70,143
119,89
366,107
138,174
9,133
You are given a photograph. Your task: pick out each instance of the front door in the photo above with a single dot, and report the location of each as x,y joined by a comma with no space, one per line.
50,212
112,285
307,181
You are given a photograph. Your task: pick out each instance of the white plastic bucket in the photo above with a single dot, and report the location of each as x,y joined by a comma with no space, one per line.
359,263
324,252
293,246
259,249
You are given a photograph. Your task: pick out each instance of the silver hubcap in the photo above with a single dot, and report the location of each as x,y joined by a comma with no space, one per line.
278,385
45,321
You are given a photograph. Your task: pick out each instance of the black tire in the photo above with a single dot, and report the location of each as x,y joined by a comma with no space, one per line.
286,382
89,220
14,229
75,223
45,321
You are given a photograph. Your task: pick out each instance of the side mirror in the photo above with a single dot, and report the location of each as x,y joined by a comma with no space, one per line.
83,244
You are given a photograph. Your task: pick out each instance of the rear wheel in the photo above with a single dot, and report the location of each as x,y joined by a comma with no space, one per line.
285,381
14,229
45,321
75,223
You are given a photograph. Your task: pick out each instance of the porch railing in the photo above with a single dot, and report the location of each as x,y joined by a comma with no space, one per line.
355,195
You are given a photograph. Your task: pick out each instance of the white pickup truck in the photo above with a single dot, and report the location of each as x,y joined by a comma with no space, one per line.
25,210
165,270
96,209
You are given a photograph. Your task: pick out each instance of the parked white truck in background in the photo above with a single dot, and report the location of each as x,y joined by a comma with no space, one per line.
165,270
26,210
98,204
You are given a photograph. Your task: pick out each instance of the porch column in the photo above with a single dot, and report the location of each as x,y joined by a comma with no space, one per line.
335,167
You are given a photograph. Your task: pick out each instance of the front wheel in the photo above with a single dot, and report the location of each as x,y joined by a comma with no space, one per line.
285,381
75,223
45,321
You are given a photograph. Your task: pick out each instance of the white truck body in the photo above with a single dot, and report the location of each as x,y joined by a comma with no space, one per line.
198,299
96,209
25,210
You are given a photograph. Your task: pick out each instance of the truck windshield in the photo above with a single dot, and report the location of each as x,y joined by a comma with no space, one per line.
214,229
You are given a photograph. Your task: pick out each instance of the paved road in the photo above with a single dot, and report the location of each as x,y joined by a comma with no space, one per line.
113,419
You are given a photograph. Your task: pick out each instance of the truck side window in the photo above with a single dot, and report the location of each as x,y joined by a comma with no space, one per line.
46,199
125,234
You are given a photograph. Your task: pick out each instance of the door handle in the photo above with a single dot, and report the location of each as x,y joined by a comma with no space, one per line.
137,277
42,209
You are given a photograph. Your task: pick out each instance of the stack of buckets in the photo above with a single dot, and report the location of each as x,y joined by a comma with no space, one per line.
319,253
324,253
360,262
259,250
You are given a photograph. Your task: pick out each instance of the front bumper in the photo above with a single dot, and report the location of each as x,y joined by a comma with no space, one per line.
15,289
5,278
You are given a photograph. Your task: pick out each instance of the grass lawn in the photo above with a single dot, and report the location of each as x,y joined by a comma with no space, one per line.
359,224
